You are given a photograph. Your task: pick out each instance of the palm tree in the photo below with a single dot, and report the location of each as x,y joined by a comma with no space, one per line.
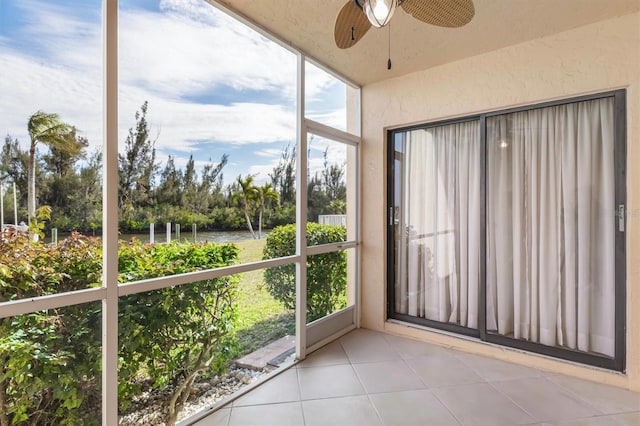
265,192
247,193
47,129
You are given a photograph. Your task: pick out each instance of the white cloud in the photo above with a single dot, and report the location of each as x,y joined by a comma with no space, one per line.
336,118
318,82
182,60
261,172
176,55
33,85
159,62
269,153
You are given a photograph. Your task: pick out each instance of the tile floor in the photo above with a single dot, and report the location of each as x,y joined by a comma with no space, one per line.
370,378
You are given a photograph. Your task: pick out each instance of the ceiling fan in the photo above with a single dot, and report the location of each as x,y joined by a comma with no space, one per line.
357,16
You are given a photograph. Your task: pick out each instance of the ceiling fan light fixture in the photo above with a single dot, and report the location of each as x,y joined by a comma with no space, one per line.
379,12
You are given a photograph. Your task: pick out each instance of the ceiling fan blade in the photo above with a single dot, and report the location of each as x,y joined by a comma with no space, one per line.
351,25
443,13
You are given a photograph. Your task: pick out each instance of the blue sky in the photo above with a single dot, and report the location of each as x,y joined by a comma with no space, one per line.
213,85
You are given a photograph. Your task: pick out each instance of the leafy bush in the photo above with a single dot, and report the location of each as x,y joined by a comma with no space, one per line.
326,273
176,333
50,360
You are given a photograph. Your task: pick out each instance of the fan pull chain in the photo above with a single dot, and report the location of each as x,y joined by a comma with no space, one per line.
389,60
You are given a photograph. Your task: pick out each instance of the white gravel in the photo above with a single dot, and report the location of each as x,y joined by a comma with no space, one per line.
148,409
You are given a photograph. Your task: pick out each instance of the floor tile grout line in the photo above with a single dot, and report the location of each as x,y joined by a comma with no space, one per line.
609,415
460,422
229,418
461,355
572,393
576,395
355,371
535,419
581,398
375,409
344,350
598,412
426,386
304,421
299,385
468,365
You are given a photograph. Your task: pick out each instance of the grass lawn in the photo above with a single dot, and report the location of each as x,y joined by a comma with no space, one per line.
261,318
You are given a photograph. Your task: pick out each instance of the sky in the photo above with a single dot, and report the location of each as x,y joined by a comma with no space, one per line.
214,86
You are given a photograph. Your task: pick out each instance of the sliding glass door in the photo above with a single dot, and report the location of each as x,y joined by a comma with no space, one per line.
509,227
436,223
550,226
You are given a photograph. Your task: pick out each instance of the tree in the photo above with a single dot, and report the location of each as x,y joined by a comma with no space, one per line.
169,190
47,129
190,198
333,179
327,190
60,185
283,176
265,193
211,182
61,162
137,167
13,165
90,192
317,200
247,193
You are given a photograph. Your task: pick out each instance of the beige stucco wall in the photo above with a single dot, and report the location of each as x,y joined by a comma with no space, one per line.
593,58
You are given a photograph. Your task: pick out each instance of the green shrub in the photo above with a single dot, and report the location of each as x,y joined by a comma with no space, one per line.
176,333
326,273
50,360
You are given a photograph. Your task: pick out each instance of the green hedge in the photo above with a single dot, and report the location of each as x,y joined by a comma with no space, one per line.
50,361
326,273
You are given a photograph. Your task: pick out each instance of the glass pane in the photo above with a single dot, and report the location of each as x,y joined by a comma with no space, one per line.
51,124
331,191
437,223
550,226
330,283
186,347
326,98
266,312
50,371
207,139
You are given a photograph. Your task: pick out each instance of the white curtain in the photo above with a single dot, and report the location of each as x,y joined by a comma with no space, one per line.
550,226
438,250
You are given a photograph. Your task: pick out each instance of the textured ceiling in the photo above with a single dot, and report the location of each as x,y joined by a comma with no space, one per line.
308,25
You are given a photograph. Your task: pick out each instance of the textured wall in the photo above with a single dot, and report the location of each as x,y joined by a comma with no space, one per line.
593,58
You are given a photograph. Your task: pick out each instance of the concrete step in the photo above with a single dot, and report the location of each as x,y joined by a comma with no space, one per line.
272,354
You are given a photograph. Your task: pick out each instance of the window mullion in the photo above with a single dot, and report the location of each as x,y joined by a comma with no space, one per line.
301,212
110,217
482,296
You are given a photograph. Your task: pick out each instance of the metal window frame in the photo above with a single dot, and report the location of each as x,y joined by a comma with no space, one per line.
618,361
334,325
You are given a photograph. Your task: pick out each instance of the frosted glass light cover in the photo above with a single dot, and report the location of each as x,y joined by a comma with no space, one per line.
379,12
